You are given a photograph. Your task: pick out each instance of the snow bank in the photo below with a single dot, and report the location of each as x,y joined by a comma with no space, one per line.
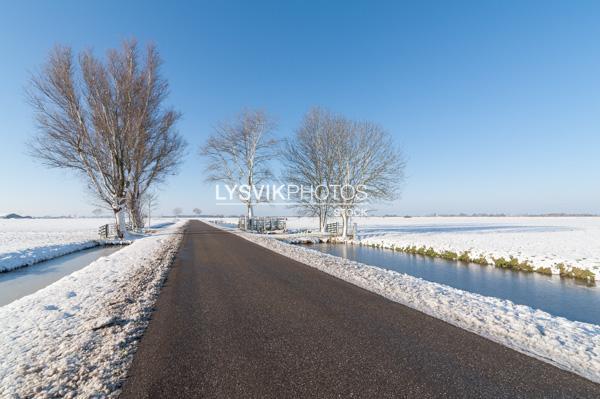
27,257
570,345
303,238
24,242
76,337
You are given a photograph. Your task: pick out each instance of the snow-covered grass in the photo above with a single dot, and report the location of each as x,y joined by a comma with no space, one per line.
551,245
570,345
24,242
76,337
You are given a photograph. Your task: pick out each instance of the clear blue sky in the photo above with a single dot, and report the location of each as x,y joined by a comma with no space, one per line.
496,104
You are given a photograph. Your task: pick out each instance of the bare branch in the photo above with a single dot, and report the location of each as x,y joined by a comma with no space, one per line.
105,120
239,152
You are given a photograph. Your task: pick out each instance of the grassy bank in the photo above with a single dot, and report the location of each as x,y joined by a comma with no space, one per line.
511,263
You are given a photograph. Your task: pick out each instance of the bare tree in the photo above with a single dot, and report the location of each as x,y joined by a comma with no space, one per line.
94,115
369,167
197,211
156,150
97,212
310,164
239,152
80,127
177,211
149,203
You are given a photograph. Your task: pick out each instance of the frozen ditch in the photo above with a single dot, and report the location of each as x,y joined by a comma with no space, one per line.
560,297
25,281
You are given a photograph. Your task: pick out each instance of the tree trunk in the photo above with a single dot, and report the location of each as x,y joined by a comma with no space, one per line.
137,220
345,214
322,222
120,223
134,208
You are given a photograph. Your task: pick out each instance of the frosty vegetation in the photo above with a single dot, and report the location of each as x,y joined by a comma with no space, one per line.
330,155
106,121
239,152
330,151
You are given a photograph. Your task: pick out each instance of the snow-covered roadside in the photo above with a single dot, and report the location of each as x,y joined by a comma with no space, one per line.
76,337
25,242
573,346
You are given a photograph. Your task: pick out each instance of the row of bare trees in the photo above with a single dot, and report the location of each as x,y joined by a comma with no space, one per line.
329,153
107,121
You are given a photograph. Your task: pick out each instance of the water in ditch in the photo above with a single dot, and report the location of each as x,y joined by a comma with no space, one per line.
27,280
561,297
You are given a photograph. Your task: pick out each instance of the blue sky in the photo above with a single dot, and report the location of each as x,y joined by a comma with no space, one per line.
496,104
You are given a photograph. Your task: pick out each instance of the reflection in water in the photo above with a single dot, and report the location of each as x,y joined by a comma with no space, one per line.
27,280
561,297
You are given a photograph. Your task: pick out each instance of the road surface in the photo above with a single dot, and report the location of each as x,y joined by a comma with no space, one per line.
237,320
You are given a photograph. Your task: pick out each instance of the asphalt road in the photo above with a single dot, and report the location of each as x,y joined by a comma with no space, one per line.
237,320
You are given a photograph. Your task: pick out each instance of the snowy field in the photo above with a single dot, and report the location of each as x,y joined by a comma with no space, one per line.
24,242
76,337
570,345
28,241
542,241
